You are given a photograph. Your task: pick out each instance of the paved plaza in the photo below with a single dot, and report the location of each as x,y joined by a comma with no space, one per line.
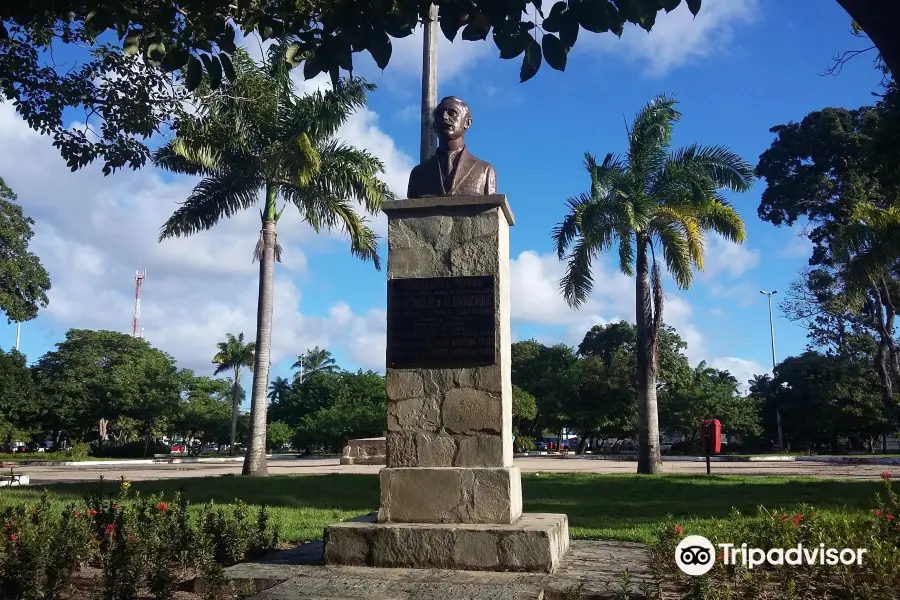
42,475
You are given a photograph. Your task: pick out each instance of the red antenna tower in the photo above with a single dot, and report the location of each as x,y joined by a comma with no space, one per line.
136,322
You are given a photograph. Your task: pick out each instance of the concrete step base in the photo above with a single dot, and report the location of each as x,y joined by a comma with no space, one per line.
592,568
534,543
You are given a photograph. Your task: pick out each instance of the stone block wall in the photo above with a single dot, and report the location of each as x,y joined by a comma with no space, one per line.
452,417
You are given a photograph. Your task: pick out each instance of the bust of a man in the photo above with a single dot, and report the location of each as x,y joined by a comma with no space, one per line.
453,170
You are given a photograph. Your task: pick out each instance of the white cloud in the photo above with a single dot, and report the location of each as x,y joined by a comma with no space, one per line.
93,232
743,293
742,369
536,299
453,57
535,293
797,246
723,256
678,38
409,113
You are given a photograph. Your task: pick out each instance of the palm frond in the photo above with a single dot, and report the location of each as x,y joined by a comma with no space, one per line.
577,283
684,219
569,227
722,167
722,218
605,176
321,114
868,246
626,252
351,173
212,199
650,136
166,157
321,209
676,253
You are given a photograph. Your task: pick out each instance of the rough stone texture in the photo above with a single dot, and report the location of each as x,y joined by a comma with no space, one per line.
450,202
364,451
467,410
593,567
450,495
534,543
430,409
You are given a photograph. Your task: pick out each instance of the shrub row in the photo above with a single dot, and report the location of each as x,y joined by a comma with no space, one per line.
138,545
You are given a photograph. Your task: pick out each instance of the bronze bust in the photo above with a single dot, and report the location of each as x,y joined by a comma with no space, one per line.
453,170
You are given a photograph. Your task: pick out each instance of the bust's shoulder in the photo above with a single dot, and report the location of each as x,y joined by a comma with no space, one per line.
479,163
424,165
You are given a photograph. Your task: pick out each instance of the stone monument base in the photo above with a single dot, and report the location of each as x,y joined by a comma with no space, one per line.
364,451
536,542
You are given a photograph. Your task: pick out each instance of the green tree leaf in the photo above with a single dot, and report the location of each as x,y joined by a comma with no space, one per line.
214,70
132,42
532,60
227,66
380,47
194,73
156,52
568,29
554,52
450,21
694,6
292,54
312,66
553,22
23,280
477,29
513,45
595,16
226,40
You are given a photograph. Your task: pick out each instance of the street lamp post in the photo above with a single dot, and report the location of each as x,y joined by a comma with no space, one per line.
772,335
428,140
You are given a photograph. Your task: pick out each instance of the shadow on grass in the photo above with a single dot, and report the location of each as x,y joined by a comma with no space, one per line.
626,507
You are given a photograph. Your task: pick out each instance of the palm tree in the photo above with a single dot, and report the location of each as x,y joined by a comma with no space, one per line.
652,200
866,250
254,138
279,387
232,355
317,360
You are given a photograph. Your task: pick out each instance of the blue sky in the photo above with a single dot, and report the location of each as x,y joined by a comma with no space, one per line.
741,67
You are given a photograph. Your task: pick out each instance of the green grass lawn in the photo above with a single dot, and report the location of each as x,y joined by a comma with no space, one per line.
625,507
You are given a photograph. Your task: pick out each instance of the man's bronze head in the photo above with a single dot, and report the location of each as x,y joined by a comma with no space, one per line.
452,118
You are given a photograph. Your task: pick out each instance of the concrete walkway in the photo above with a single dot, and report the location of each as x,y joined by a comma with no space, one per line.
594,568
43,475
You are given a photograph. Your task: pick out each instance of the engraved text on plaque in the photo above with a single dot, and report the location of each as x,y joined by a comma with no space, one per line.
441,322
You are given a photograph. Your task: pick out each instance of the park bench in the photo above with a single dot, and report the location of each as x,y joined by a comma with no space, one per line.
13,477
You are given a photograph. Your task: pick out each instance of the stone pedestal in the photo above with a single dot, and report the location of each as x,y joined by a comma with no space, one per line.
364,451
450,477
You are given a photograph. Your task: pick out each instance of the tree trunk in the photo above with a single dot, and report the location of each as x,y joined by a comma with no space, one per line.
581,444
879,19
649,459
235,407
255,460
